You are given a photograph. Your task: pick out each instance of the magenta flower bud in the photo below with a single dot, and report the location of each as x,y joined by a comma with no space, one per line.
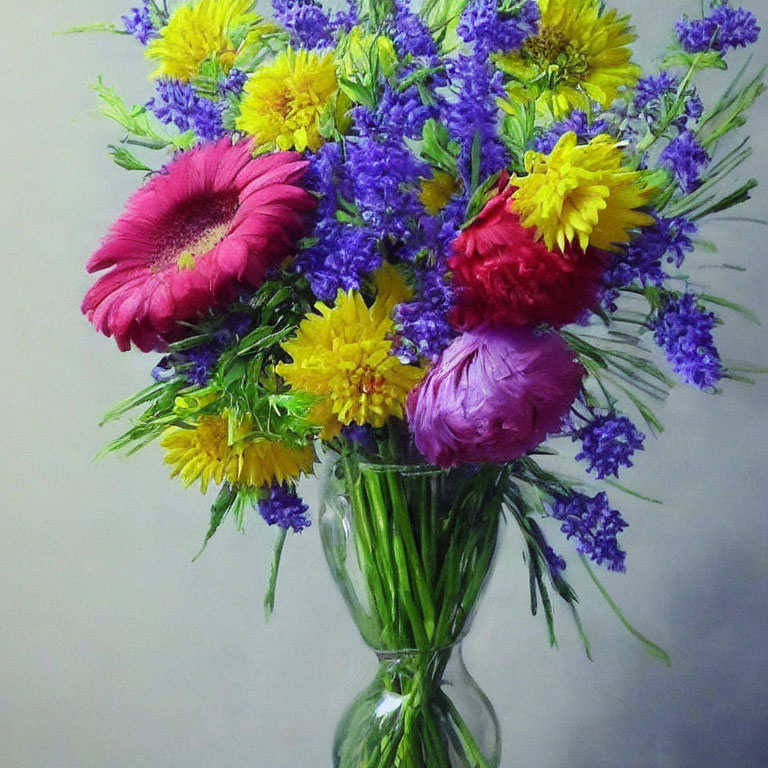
494,395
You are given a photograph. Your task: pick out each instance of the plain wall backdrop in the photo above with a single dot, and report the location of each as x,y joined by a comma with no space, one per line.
117,652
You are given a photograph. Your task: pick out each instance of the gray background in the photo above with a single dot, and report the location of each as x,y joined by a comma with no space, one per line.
117,652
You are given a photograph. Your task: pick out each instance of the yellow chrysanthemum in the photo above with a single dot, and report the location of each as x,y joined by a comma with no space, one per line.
581,193
343,354
196,33
204,453
437,192
580,54
284,102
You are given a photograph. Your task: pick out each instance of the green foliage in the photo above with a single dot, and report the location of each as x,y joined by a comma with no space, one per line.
269,598
632,374
518,132
442,17
243,383
219,510
437,148
655,650
142,129
728,114
101,26
126,159
693,61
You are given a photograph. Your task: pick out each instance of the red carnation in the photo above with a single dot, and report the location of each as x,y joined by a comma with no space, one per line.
504,276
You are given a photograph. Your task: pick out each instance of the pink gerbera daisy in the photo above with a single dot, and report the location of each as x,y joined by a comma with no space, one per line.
216,220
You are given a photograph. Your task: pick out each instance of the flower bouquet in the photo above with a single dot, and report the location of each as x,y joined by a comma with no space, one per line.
426,248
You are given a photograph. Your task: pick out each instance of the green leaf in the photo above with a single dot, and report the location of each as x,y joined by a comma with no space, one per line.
694,61
737,197
219,510
136,120
126,159
437,147
357,93
630,492
442,17
739,308
144,396
476,156
101,26
727,114
580,629
269,599
647,414
739,366
655,650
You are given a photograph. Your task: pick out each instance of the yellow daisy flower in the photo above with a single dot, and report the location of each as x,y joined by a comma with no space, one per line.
283,102
581,193
205,453
196,33
437,192
343,354
580,54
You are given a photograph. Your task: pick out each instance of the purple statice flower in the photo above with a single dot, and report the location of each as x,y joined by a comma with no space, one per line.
342,254
340,259
361,435
654,91
686,158
325,177
724,28
383,173
594,525
175,103
577,122
284,508
206,119
453,217
555,562
404,113
641,260
345,20
474,116
684,331
197,364
233,83
423,323
306,20
653,88
493,31
165,370
179,103
608,442
138,23
411,35
694,107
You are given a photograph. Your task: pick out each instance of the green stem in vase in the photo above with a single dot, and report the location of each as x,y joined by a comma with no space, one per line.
415,565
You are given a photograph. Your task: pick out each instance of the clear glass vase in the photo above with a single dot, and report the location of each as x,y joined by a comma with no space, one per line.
411,548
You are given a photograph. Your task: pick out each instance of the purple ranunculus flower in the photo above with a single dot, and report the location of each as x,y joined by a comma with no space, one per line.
493,395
